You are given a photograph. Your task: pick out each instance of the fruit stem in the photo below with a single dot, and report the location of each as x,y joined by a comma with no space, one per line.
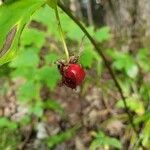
100,52
62,34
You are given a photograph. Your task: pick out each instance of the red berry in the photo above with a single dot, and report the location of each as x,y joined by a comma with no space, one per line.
73,75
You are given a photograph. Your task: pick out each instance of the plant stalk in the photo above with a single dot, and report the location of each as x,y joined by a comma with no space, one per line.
62,34
99,51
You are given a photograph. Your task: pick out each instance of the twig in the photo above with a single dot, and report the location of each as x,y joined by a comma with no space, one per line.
99,51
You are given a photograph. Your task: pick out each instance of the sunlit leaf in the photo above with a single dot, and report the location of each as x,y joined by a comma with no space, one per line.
4,122
124,61
27,58
101,140
51,58
143,56
52,3
27,91
50,76
88,56
134,104
37,109
14,16
132,70
103,34
146,134
32,37
53,105
61,137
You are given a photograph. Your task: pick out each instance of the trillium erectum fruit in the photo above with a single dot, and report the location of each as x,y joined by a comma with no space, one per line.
72,73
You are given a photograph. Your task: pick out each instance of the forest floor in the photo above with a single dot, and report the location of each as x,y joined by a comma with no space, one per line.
92,111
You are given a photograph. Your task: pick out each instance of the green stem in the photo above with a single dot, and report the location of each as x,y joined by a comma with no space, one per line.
62,34
100,52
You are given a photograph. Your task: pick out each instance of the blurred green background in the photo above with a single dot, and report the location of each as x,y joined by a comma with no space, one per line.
37,113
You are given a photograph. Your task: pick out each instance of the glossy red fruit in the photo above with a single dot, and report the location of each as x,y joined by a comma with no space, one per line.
73,75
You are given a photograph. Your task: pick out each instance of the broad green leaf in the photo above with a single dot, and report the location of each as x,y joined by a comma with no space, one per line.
50,76
146,135
46,16
61,137
113,142
5,123
142,118
145,91
52,3
25,64
134,104
88,56
28,91
132,70
95,144
37,109
103,34
26,58
123,61
25,72
14,17
25,120
9,139
143,56
53,105
51,58
28,38
71,30
101,140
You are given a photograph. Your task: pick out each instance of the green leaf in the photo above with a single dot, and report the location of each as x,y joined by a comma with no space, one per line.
131,70
51,58
134,104
143,56
50,76
29,73
14,16
101,140
123,61
61,137
27,91
113,142
103,34
71,30
28,38
95,144
25,120
53,105
146,134
88,56
37,109
47,17
145,91
52,3
9,139
4,122
26,58
142,118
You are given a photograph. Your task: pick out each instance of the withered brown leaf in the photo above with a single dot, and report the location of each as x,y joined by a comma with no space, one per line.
8,41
